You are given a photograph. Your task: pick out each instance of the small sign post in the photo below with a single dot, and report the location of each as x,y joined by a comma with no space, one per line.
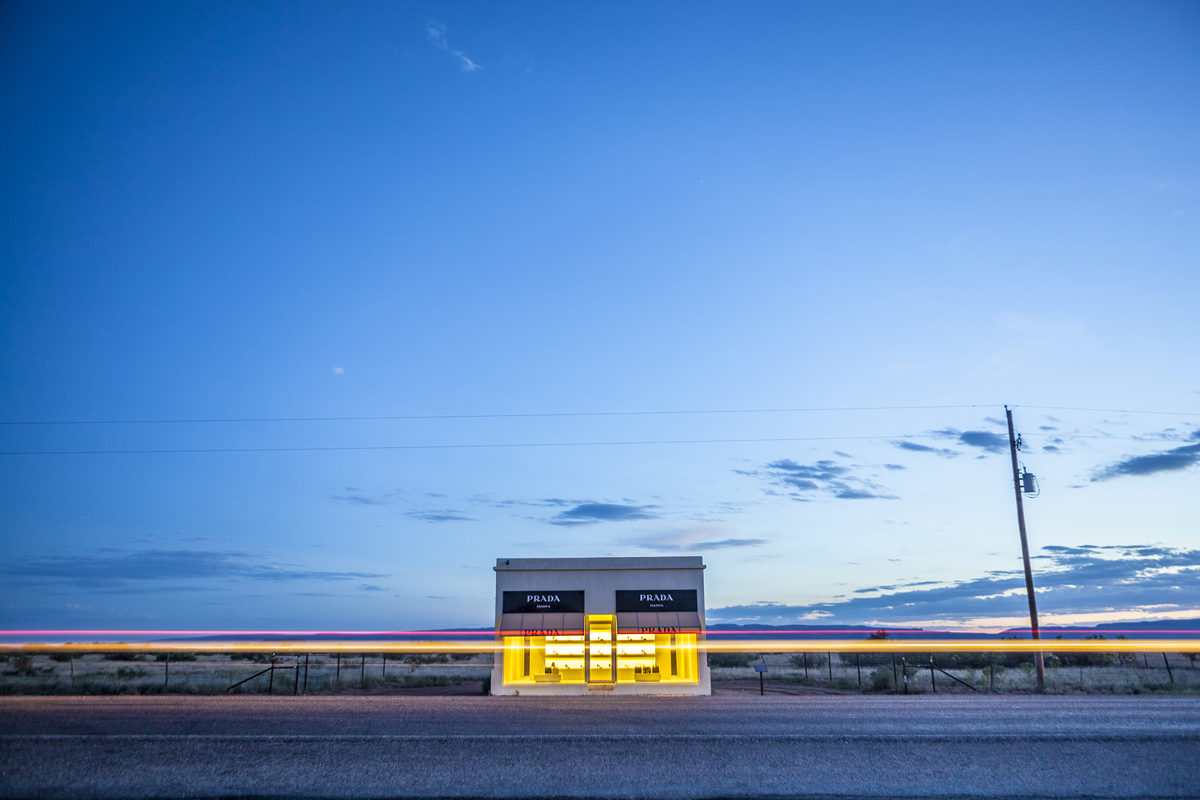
760,669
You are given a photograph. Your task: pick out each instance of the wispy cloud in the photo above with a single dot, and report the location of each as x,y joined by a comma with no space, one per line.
592,513
693,539
804,481
1173,460
360,499
914,447
168,565
445,515
436,32
983,440
1069,580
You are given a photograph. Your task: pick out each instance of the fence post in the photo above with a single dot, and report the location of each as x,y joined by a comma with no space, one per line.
904,669
806,665
306,673
829,658
1170,674
932,679
895,677
338,679
271,683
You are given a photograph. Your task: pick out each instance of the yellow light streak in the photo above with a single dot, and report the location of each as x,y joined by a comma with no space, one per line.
283,648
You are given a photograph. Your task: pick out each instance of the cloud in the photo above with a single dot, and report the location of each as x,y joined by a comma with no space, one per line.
802,481
168,565
360,499
1050,448
338,371
1173,460
1069,580
436,32
371,587
696,538
591,513
691,547
984,440
923,448
894,466
447,515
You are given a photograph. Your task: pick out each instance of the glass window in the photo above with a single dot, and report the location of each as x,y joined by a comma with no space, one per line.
663,657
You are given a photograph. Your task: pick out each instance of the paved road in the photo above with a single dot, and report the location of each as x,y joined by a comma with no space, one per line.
724,746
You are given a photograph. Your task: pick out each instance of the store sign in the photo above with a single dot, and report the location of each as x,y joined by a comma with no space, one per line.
656,600
543,602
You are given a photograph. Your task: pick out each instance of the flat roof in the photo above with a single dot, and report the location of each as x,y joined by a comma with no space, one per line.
643,562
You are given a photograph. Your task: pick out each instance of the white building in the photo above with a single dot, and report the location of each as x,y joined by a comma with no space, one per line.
623,625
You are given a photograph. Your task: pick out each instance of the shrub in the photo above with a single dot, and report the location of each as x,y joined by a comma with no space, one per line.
730,659
426,658
814,660
882,681
1077,659
22,665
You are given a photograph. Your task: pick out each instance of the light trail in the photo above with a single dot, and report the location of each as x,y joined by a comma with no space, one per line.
736,646
491,632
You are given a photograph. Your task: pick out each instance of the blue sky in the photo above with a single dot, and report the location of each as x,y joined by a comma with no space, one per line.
448,210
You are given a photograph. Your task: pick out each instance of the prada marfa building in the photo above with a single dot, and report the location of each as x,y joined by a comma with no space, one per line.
623,625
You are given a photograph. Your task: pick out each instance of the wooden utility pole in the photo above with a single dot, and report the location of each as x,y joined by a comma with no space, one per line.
1039,662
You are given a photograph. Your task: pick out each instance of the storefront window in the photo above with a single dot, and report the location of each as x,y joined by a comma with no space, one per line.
641,657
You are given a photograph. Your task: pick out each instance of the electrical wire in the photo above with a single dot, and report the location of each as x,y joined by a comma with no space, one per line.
548,415
519,444
487,416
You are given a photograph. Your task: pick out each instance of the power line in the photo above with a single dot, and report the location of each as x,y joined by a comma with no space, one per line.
485,416
518,444
437,446
567,414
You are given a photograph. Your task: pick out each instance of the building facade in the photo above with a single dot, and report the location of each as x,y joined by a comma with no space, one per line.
579,625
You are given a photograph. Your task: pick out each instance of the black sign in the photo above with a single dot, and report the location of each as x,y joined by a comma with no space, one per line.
543,602
657,600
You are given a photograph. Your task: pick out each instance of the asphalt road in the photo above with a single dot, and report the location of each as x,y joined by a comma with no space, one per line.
723,746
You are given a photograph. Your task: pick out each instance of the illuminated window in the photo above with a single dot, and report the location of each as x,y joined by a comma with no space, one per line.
639,657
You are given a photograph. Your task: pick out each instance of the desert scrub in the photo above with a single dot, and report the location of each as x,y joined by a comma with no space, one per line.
882,681
815,660
730,659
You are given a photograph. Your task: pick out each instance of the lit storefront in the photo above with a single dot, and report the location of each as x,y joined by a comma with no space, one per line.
626,625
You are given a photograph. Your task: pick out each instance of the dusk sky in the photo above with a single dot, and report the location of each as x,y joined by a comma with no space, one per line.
852,231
